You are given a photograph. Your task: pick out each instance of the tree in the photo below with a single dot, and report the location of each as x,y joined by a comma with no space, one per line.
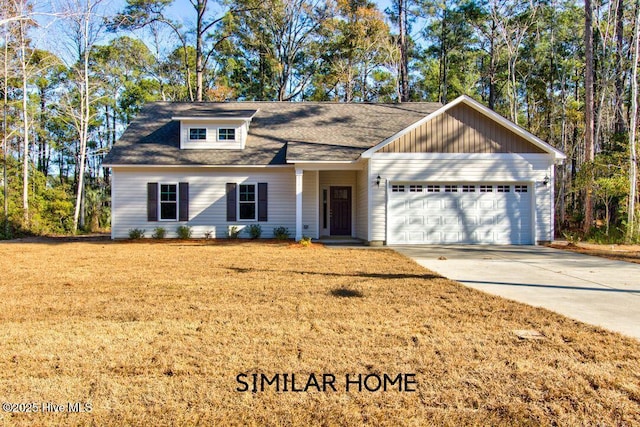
588,110
141,13
84,27
277,44
633,161
359,56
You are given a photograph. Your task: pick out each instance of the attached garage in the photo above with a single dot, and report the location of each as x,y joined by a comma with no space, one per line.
462,175
453,213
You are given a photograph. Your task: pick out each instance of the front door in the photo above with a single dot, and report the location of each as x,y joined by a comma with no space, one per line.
340,203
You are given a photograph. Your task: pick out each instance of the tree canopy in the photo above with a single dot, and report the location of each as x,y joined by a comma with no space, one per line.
551,66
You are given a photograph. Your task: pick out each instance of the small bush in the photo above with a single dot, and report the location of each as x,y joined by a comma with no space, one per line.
136,233
281,233
159,233
208,235
184,232
234,232
254,230
305,241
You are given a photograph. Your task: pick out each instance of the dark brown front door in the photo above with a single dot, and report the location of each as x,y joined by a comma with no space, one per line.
340,202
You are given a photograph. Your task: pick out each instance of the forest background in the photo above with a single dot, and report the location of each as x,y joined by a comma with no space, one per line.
76,72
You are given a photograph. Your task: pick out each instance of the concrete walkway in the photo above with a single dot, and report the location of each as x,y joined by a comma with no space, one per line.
590,289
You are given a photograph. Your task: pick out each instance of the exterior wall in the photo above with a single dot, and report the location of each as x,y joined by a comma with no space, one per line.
310,203
344,178
362,204
207,199
212,141
443,168
460,129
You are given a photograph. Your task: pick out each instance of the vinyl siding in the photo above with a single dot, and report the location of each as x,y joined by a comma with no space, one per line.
207,199
362,202
457,168
461,129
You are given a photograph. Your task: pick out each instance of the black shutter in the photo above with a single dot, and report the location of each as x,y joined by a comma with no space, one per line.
231,201
183,207
262,201
152,201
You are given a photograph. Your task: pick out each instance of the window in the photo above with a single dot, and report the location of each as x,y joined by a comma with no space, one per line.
433,188
415,188
486,188
503,188
247,201
168,202
397,188
451,188
226,134
198,134
468,188
520,188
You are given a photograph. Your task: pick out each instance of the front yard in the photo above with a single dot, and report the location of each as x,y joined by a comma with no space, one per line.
157,334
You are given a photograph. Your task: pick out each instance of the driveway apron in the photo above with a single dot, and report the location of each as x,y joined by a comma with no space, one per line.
590,289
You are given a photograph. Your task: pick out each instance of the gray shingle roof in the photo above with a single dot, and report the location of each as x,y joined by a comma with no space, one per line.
279,131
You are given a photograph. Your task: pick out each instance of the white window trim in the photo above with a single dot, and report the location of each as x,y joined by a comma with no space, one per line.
160,219
197,140
235,134
255,202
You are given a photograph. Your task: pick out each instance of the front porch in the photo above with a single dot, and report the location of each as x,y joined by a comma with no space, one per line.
332,203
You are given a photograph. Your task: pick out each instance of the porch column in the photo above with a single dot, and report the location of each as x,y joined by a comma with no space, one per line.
299,173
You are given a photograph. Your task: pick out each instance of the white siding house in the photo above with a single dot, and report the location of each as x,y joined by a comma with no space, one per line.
416,173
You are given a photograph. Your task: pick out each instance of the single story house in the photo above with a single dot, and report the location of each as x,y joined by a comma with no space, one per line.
410,173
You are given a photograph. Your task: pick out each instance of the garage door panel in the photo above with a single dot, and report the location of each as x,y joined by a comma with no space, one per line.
490,214
434,220
416,220
468,204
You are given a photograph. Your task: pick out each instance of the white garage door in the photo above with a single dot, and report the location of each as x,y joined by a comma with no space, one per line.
482,213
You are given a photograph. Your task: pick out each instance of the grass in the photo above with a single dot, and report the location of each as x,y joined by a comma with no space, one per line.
156,333
628,253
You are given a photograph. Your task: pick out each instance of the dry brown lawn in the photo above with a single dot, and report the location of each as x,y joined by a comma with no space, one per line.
629,253
156,333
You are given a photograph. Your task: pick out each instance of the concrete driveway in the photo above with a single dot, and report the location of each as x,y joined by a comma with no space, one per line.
590,289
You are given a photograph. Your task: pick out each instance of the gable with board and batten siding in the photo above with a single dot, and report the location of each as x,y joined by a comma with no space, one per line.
435,170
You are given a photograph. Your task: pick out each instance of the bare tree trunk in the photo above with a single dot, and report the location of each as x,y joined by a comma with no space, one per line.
404,55
25,124
83,122
5,140
443,59
492,66
633,166
620,71
200,9
588,111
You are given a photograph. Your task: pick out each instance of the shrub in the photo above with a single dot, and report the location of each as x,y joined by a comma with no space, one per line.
234,232
136,233
254,230
184,232
281,233
208,235
159,233
305,241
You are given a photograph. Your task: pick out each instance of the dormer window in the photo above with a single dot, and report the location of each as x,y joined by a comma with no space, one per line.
220,129
226,134
197,134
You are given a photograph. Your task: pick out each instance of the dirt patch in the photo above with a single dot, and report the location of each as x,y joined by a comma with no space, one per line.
160,333
629,253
